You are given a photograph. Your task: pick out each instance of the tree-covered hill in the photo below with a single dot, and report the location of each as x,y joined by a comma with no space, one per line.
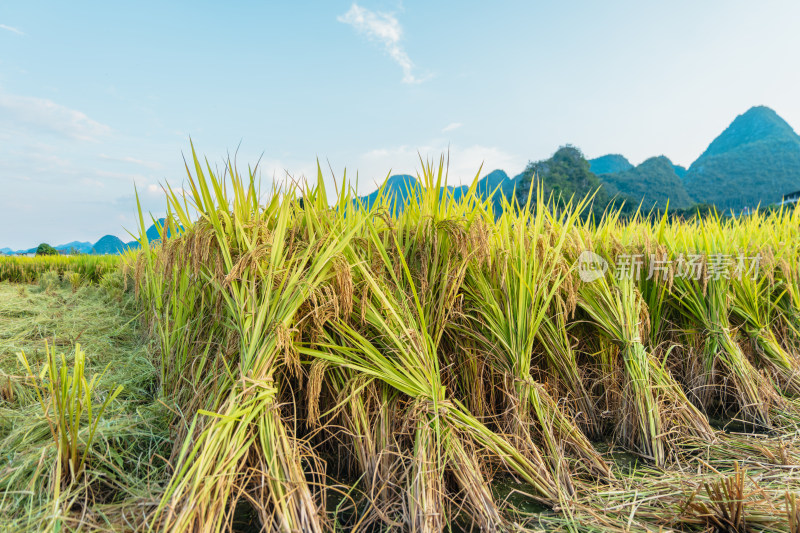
756,160
566,175
652,183
609,164
679,170
109,244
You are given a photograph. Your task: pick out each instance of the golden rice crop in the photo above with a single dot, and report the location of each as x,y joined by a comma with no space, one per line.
430,347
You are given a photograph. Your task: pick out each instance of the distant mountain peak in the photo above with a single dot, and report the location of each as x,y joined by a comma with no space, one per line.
609,164
496,174
654,182
400,179
756,124
493,179
396,186
755,161
109,244
660,158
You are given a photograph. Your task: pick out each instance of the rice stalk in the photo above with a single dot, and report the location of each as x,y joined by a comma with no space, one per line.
271,263
654,410
704,298
509,299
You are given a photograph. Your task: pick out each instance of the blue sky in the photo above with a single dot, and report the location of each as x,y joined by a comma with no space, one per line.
98,96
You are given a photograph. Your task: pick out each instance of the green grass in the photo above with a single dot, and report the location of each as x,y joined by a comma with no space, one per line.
114,457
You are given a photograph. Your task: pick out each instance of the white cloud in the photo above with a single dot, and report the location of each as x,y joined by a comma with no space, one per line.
12,29
386,29
452,126
41,114
125,176
97,184
465,161
127,159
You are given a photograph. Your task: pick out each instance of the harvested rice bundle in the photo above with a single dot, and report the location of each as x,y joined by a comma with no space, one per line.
654,411
272,259
410,288
508,301
702,294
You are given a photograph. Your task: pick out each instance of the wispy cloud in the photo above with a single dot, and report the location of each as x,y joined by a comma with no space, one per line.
385,29
452,126
127,159
137,179
11,29
43,115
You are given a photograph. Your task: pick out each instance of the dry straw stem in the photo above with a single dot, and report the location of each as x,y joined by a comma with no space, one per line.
730,503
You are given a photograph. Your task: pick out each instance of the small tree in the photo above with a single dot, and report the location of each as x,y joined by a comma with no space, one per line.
46,249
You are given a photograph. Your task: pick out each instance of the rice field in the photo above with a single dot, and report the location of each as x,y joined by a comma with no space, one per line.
324,366
89,268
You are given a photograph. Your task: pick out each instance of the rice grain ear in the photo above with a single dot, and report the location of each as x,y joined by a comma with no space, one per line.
7,392
478,241
364,302
345,286
316,377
